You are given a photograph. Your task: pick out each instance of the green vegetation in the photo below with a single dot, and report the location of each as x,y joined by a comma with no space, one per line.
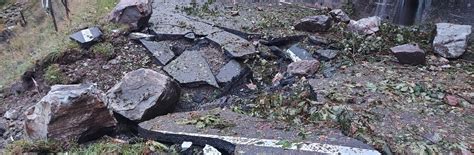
104,6
53,75
104,50
21,146
105,146
211,120
200,11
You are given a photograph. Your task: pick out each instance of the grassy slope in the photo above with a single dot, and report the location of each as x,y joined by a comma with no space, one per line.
39,39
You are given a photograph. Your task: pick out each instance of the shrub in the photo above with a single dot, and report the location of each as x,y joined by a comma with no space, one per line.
53,75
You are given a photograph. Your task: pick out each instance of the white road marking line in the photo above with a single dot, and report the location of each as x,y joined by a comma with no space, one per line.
312,147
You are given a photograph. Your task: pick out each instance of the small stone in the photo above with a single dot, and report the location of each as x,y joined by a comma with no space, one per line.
69,112
190,35
251,86
11,114
143,94
319,23
186,145
303,67
433,137
451,100
296,53
451,39
340,15
209,150
159,50
409,54
191,68
278,52
232,72
277,78
259,9
327,55
365,26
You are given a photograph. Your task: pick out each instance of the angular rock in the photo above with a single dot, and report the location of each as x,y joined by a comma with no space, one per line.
134,13
451,39
303,67
232,72
87,36
191,68
365,26
295,53
69,112
409,54
327,54
143,94
340,15
317,40
319,23
160,51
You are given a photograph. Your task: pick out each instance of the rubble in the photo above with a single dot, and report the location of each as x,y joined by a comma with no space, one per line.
340,15
451,100
409,54
451,39
69,112
365,26
232,72
87,36
161,51
191,68
134,13
327,55
143,94
303,67
296,53
319,23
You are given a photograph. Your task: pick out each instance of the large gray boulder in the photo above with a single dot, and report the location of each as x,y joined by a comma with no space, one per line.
319,23
69,112
135,13
451,39
143,94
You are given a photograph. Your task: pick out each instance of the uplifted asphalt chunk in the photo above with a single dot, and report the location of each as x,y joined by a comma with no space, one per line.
160,51
256,136
409,54
234,45
87,36
191,68
231,73
297,53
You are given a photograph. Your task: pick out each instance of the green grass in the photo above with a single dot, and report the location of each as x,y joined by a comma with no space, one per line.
53,75
104,6
105,146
